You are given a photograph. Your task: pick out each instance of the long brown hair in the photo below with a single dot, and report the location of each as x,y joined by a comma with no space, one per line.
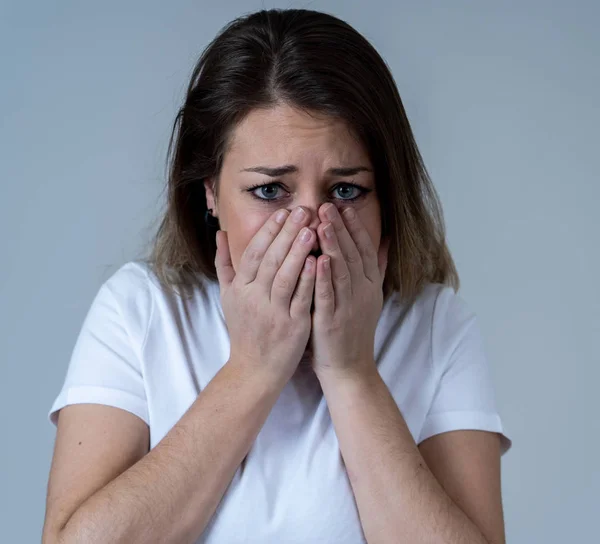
319,63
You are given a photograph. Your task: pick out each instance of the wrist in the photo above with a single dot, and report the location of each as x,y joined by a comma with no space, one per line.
258,376
359,374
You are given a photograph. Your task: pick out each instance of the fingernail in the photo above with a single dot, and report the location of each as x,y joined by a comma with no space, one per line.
280,216
305,235
298,215
328,230
326,263
330,212
348,213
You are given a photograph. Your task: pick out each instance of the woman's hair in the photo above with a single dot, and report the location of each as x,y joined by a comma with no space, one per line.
317,63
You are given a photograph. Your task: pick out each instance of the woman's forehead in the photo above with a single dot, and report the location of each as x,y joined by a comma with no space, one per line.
285,135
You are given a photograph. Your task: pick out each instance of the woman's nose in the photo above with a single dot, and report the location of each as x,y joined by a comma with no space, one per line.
313,210
314,218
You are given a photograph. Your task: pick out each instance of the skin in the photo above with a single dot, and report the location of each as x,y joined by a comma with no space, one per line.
455,475
313,144
106,487
284,135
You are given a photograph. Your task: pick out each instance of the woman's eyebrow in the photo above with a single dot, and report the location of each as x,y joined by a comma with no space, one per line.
289,168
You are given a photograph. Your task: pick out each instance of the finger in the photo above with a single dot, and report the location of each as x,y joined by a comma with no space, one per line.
303,295
340,275
258,246
325,298
280,247
286,279
353,258
225,271
363,242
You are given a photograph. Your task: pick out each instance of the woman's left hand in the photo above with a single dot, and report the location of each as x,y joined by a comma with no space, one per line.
348,296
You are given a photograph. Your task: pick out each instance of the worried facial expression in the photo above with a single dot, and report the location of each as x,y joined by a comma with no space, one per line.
282,157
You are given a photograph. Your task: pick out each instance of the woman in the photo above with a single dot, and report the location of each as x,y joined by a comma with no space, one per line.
288,365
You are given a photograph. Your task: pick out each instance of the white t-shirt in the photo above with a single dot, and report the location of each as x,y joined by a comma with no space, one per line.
151,353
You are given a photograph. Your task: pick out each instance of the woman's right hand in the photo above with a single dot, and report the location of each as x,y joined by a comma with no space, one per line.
267,302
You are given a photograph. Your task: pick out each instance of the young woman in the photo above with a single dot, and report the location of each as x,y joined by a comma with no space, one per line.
292,364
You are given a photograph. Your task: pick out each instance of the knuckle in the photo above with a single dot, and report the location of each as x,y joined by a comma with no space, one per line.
290,229
325,294
305,295
344,277
370,252
253,255
353,257
303,299
272,261
298,249
283,283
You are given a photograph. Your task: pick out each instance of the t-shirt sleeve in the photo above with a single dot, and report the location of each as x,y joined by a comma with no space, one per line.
464,397
105,365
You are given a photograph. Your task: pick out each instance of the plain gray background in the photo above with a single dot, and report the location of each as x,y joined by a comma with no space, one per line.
503,99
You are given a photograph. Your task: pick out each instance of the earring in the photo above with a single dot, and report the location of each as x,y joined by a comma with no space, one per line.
210,219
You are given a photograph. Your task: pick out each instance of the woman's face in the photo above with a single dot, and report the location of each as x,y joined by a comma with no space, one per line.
310,147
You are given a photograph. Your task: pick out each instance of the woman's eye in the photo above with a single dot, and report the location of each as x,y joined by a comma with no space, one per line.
266,192
348,192
342,191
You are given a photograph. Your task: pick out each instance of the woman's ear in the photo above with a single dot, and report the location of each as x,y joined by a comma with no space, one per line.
211,201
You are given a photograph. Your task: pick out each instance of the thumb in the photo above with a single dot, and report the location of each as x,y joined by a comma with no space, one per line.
225,271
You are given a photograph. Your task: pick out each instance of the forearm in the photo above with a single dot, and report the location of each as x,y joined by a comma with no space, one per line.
172,492
398,498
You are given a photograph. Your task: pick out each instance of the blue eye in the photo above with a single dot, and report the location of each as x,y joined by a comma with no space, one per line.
346,191
262,190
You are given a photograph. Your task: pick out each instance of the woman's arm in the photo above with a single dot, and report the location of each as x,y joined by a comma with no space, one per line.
104,488
467,465
453,498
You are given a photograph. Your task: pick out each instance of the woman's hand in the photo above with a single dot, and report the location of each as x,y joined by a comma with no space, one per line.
267,303
348,294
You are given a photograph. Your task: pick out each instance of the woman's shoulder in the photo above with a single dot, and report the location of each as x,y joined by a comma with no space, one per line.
434,300
130,285
131,276
438,313
138,278
138,289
